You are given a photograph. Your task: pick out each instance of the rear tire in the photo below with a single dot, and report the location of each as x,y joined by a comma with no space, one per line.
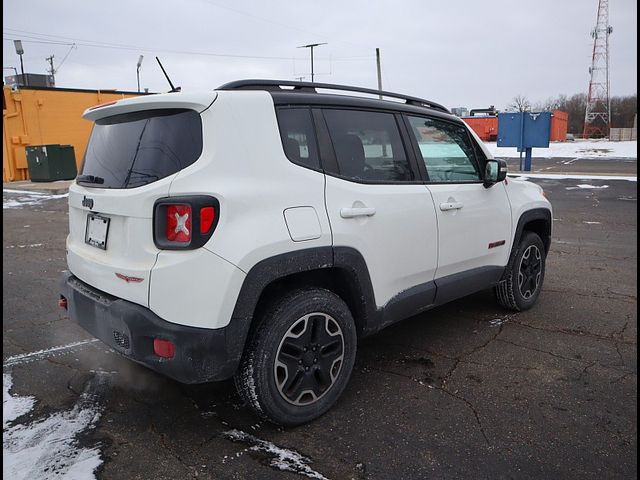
300,357
524,275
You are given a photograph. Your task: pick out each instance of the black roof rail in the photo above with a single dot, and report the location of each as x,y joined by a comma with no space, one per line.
257,84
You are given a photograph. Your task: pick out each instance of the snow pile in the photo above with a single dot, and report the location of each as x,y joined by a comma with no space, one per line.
578,149
13,407
48,448
21,198
282,458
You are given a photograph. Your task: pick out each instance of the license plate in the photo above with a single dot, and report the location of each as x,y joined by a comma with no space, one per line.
97,231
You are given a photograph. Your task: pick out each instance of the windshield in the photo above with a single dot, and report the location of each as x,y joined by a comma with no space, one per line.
135,149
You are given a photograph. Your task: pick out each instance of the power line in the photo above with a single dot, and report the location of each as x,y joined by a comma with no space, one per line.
34,41
147,49
66,56
8,36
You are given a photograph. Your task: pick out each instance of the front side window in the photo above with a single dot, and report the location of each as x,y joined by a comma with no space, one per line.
368,146
298,136
446,150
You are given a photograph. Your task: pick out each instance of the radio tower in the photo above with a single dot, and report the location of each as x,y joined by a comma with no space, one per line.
596,119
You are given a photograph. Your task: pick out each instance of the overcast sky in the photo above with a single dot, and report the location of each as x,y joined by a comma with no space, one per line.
455,52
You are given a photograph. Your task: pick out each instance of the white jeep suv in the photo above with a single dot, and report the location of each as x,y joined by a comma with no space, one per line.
259,230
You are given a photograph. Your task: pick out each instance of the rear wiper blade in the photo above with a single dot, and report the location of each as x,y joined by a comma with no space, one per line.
90,179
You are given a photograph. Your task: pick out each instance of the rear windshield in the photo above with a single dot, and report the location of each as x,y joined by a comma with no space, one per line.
134,149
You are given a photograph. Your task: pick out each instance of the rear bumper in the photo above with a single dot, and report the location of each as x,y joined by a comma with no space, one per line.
202,354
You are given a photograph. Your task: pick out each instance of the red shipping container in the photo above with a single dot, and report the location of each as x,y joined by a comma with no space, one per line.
485,127
559,125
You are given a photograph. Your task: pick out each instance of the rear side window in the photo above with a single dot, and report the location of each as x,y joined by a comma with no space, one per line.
298,136
135,149
446,150
368,146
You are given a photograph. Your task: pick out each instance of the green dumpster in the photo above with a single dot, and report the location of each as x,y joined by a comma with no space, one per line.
48,163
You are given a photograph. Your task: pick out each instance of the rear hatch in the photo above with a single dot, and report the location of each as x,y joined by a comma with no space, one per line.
135,150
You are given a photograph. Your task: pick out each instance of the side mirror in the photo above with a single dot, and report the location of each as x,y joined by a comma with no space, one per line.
495,171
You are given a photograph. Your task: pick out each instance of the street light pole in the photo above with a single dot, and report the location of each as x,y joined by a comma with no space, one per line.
138,65
311,46
20,51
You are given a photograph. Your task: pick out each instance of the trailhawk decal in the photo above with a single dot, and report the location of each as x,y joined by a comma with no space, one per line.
128,279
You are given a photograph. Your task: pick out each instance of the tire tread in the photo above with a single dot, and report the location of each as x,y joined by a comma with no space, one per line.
505,290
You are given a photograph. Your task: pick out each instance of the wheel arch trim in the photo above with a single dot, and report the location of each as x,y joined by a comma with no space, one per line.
526,218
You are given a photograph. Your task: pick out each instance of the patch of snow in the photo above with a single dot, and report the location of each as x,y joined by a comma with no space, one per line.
580,149
27,198
48,352
563,176
13,406
497,322
568,162
22,192
586,185
282,458
32,245
48,448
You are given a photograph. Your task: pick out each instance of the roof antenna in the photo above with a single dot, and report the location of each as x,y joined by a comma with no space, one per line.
173,89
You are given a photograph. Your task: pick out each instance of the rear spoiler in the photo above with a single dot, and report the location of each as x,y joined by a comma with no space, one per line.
192,101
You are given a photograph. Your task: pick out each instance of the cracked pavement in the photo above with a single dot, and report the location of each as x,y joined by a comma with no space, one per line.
467,390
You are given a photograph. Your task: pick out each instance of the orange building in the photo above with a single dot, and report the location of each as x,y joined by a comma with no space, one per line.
41,116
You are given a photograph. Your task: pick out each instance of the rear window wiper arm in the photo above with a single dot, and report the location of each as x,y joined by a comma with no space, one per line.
90,179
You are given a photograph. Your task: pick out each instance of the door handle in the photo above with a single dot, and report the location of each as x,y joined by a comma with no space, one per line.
357,212
451,206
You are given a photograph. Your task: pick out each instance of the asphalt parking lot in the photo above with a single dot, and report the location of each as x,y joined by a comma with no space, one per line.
464,391
576,166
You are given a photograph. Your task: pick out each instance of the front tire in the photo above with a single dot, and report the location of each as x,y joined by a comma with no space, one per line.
524,276
300,357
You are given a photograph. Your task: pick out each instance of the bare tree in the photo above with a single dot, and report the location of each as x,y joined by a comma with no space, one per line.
575,106
550,104
520,103
623,110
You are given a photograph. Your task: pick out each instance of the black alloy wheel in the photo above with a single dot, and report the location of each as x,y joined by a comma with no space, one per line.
309,358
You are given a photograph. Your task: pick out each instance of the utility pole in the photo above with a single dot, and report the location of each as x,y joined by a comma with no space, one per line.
379,70
312,46
52,70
